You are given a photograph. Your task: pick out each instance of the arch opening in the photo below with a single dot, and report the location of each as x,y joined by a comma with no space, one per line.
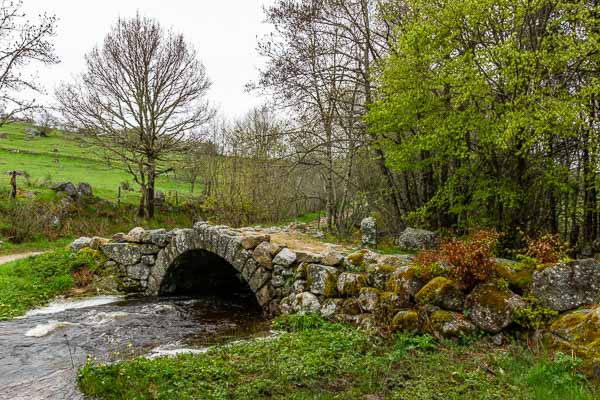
202,274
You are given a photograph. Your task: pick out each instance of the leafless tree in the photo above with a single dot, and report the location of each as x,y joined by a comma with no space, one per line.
22,42
142,95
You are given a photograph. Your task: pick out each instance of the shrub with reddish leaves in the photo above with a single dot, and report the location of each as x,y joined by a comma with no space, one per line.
548,249
471,258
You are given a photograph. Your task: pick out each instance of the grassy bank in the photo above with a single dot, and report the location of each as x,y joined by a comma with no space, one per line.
34,281
319,360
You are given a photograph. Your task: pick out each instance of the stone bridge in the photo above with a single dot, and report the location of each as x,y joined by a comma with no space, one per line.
214,258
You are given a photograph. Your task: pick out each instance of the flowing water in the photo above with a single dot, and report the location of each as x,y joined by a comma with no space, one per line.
41,353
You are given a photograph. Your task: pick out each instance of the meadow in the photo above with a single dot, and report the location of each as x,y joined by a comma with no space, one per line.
62,157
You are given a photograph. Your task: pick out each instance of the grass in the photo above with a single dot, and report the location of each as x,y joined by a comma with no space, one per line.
71,163
40,244
34,281
320,360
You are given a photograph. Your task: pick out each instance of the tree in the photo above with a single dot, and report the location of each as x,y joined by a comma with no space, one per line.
494,102
21,43
140,99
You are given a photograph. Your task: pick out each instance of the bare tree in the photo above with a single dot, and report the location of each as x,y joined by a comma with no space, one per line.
21,43
140,99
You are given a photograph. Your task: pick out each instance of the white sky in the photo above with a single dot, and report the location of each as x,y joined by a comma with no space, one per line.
225,33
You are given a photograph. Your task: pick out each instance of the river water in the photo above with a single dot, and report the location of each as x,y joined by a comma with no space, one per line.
41,353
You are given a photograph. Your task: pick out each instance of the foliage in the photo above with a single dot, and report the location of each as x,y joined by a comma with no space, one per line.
493,122
548,249
534,315
335,361
32,282
470,258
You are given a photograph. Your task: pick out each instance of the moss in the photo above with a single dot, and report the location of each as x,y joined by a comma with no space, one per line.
387,269
330,289
387,307
352,287
578,333
357,258
302,271
533,315
434,289
490,296
406,321
351,307
440,317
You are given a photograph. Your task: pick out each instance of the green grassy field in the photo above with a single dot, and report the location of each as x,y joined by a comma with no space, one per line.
71,162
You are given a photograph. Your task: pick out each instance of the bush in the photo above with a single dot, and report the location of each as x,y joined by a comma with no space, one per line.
470,258
548,249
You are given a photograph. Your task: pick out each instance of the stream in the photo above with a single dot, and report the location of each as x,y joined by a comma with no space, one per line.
41,353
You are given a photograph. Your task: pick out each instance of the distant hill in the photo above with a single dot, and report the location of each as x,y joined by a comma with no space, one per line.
61,158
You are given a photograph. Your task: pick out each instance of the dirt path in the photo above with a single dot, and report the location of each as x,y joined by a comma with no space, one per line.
14,257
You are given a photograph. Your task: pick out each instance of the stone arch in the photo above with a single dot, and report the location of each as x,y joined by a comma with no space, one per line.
221,242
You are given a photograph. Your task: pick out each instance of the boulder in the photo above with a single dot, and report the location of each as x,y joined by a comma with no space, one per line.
406,321
3,135
136,235
389,304
263,254
405,281
331,307
441,292
250,241
84,190
567,286
322,280
449,324
492,309
80,243
308,257
578,333
368,230
349,283
139,272
417,239
332,257
34,132
122,253
306,302
66,187
285,257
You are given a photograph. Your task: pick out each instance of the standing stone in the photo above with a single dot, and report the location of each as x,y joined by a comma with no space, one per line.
368,229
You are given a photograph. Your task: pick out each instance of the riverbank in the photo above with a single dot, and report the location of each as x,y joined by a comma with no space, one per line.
317,359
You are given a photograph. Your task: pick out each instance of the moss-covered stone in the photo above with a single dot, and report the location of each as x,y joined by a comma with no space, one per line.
350,283
578,332
406,321
442,292
492,309
448,324
322,280
404,282
388,305
519,279
350,307
357,259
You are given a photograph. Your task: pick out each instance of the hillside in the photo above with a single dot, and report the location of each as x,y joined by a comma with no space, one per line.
60,157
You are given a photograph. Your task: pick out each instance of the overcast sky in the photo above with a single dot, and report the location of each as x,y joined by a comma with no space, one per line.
224,31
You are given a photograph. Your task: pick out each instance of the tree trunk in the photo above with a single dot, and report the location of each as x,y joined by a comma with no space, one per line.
150,190
13,184
142,206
